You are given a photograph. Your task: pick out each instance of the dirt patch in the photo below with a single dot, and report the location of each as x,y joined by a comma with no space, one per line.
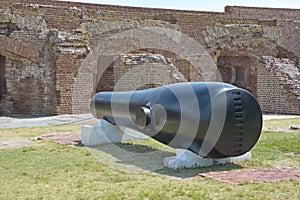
67,138
289,129
15,142
254,175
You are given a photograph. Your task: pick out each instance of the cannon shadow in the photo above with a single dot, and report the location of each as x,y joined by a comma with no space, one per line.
137,158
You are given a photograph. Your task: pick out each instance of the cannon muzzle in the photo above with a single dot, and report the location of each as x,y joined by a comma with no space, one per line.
213,120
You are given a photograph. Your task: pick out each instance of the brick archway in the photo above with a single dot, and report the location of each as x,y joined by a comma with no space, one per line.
16,48
18,95
157,66
128,41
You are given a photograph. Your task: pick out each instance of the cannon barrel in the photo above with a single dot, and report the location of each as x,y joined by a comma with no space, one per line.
213,120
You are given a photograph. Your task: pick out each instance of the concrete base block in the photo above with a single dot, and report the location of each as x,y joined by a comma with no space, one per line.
187,159
104,132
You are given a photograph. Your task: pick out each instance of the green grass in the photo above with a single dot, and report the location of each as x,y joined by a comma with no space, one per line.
47,170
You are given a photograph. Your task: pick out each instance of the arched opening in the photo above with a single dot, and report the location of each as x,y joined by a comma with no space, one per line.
152,67
21,87
237,70
201,65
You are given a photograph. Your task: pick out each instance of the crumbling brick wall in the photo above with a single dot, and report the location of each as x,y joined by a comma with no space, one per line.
279,84
143,70
46,44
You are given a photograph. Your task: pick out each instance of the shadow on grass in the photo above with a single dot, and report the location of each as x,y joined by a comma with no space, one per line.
136,158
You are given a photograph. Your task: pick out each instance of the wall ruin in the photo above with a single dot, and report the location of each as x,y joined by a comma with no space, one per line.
47,52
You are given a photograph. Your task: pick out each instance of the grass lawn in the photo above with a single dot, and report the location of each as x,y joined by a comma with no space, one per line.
46,170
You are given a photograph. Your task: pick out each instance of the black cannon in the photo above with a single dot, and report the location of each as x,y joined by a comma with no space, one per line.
213,120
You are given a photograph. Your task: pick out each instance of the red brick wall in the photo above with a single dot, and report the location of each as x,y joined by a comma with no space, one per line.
278,91
271,96
263,13
55,37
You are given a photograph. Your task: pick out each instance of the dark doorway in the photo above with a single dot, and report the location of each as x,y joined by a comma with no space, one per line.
236,70
3,89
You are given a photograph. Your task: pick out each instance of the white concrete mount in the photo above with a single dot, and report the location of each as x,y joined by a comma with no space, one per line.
104,132
187,159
